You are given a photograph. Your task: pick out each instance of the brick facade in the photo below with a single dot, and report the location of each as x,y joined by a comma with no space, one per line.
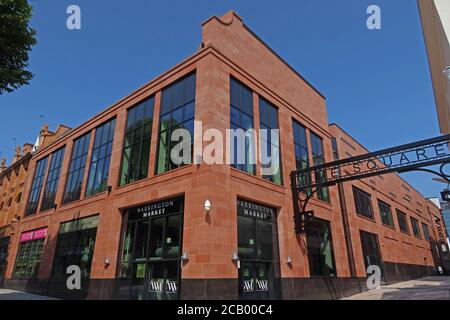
228,48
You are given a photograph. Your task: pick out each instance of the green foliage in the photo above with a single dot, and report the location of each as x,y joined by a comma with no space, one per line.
16,40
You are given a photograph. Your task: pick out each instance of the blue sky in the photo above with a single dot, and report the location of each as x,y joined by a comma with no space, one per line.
377,83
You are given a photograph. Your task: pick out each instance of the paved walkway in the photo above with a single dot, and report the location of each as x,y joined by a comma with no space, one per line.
430,288
6,294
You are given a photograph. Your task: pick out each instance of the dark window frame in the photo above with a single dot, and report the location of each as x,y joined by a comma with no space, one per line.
415,227
390,223
36,187
53,176
175,104
77,167
333,255
301,151
242,116
359,206
130,172
64,239
33,262
404,227
101,153
318,158
265,122
426,232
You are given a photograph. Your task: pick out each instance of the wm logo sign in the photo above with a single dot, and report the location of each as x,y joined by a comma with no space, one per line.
171,286
248,285
262,285
156,286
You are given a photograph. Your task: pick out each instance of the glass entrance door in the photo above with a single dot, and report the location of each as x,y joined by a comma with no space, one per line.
151,250
256,281
257,251
163,280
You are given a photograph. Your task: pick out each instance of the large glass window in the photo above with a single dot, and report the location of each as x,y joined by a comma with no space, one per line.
268,115
51,186
402,221
320,248
177,112
75,246
29,255
36,187
101,157
301,152
4,243
76,168
426,232
241,118
136,148
415,227
319,158
385,213
363,203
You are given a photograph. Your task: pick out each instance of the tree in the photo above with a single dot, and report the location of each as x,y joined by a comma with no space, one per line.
16,40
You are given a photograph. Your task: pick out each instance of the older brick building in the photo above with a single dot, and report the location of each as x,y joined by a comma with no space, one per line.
107,198
12,181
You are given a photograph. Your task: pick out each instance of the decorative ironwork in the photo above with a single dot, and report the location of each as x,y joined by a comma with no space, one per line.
405,158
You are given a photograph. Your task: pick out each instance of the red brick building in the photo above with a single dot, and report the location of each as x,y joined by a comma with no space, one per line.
107,198
12,181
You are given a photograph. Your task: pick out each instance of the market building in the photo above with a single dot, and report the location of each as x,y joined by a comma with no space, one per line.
108,198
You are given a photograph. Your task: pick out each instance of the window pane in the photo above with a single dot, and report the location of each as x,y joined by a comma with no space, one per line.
101,153
77,164
156,238
320,249
54,173
35,192
178,109
241,117
136,149
246,238
173,240
265,240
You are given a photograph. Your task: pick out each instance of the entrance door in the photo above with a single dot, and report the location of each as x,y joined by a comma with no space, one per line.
151,250
257,251
256,281
163,280
371,251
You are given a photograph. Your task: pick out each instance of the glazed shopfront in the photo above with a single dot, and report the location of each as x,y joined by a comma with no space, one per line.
151,255
258,251
150,262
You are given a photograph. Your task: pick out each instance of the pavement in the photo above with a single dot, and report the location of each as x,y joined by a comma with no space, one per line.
6,294
429,288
